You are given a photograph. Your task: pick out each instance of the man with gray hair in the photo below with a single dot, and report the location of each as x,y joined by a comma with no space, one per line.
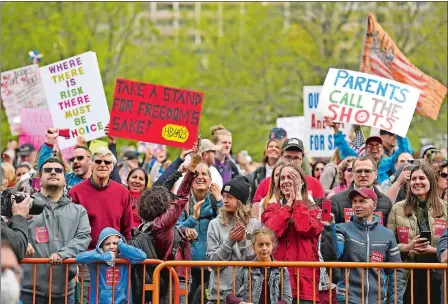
106,201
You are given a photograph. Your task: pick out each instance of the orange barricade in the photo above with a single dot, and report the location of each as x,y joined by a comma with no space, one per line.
314,265
146,287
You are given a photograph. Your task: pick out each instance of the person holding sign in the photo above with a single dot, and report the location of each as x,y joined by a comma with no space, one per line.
349,242
374,148
364,175
418,222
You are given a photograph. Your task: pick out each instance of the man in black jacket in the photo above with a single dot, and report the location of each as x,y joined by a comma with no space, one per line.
15,230
364,175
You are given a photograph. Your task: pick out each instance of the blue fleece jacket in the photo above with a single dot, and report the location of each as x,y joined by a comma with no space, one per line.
386,167
134,255
199,246
70,178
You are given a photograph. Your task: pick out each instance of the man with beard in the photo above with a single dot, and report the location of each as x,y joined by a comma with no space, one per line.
389,142
107,202
364,175
60,232
80,161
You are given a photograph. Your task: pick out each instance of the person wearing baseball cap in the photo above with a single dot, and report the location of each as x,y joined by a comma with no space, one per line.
292,151
349,242
389,142
374,148
228,235
27,153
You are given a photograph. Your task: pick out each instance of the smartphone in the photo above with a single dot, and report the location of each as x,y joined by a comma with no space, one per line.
326,211
426,235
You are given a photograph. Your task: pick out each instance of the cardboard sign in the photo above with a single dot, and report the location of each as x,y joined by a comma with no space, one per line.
34,124
76,98
370,100
403,235
21,88
42,235
155,113
439,226
377,257
294,127
319,139
112,277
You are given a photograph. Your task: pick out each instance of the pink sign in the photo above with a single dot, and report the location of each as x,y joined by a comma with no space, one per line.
34,124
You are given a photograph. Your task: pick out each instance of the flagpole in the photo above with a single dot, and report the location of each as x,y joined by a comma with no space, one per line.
364,41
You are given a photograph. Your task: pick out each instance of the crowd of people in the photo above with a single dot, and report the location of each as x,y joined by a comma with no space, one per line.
387,205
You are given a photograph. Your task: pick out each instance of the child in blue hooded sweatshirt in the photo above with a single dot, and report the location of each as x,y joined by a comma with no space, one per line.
111,245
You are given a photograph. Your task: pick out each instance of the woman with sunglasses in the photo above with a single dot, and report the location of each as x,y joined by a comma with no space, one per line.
344,176
442,181
137,181
418,223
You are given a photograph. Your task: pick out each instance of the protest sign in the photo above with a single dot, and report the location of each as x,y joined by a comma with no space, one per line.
319,139
34,124
294,126
365,99
21,88
155,113
76,97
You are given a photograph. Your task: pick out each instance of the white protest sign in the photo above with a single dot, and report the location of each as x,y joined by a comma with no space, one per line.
370,100
319,139
294,126
76,98
21,89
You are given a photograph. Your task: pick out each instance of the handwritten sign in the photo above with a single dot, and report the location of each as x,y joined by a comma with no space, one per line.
21,88
155,113
34,124
294,126
319,139
76,98
365,99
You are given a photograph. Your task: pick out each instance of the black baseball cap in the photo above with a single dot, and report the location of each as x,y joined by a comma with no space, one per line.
293,144
277,133
130,155
26,149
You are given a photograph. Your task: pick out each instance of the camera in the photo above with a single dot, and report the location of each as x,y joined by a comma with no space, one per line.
24,188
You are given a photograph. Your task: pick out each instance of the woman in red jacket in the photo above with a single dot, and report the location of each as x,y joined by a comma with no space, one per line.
294,220
136,181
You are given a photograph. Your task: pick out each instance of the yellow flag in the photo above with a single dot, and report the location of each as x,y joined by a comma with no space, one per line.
382,57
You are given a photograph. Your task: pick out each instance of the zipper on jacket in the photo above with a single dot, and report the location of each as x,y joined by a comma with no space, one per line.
364,269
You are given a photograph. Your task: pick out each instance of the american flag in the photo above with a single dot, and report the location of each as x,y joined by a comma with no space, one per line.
359,142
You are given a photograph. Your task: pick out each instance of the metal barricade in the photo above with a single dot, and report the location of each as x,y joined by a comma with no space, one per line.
146,287
314,265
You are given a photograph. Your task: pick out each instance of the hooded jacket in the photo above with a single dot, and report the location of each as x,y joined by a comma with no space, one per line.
386,165
199,246
65,230
221,248
297,229
106,271
360,241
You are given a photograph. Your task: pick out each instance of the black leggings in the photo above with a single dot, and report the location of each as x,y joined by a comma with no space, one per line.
196,282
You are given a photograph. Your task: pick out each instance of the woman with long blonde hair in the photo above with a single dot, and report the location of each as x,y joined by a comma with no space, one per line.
228,235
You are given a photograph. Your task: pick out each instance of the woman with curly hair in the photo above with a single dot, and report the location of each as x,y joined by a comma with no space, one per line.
228,235
294,220
344,176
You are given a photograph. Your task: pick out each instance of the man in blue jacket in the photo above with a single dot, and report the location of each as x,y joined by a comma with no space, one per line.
364,240
374,149
111,245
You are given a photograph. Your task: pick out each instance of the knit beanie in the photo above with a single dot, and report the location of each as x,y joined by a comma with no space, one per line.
239,187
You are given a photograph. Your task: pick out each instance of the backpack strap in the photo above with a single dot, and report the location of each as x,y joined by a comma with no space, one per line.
214,204
177,242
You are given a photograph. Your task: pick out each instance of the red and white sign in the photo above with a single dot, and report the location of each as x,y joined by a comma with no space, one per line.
439,226
377,257
112,277
42,235
348,212
403,234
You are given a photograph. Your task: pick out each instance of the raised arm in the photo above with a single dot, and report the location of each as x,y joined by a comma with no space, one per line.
134,255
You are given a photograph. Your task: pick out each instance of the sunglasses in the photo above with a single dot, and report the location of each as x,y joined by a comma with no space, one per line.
443,175
78,158
367,172
49,170
100,161
349,170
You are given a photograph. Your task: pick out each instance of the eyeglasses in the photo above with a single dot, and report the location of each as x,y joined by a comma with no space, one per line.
409,161
365,171
291,159
78,158
100,161
443,175
49,170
